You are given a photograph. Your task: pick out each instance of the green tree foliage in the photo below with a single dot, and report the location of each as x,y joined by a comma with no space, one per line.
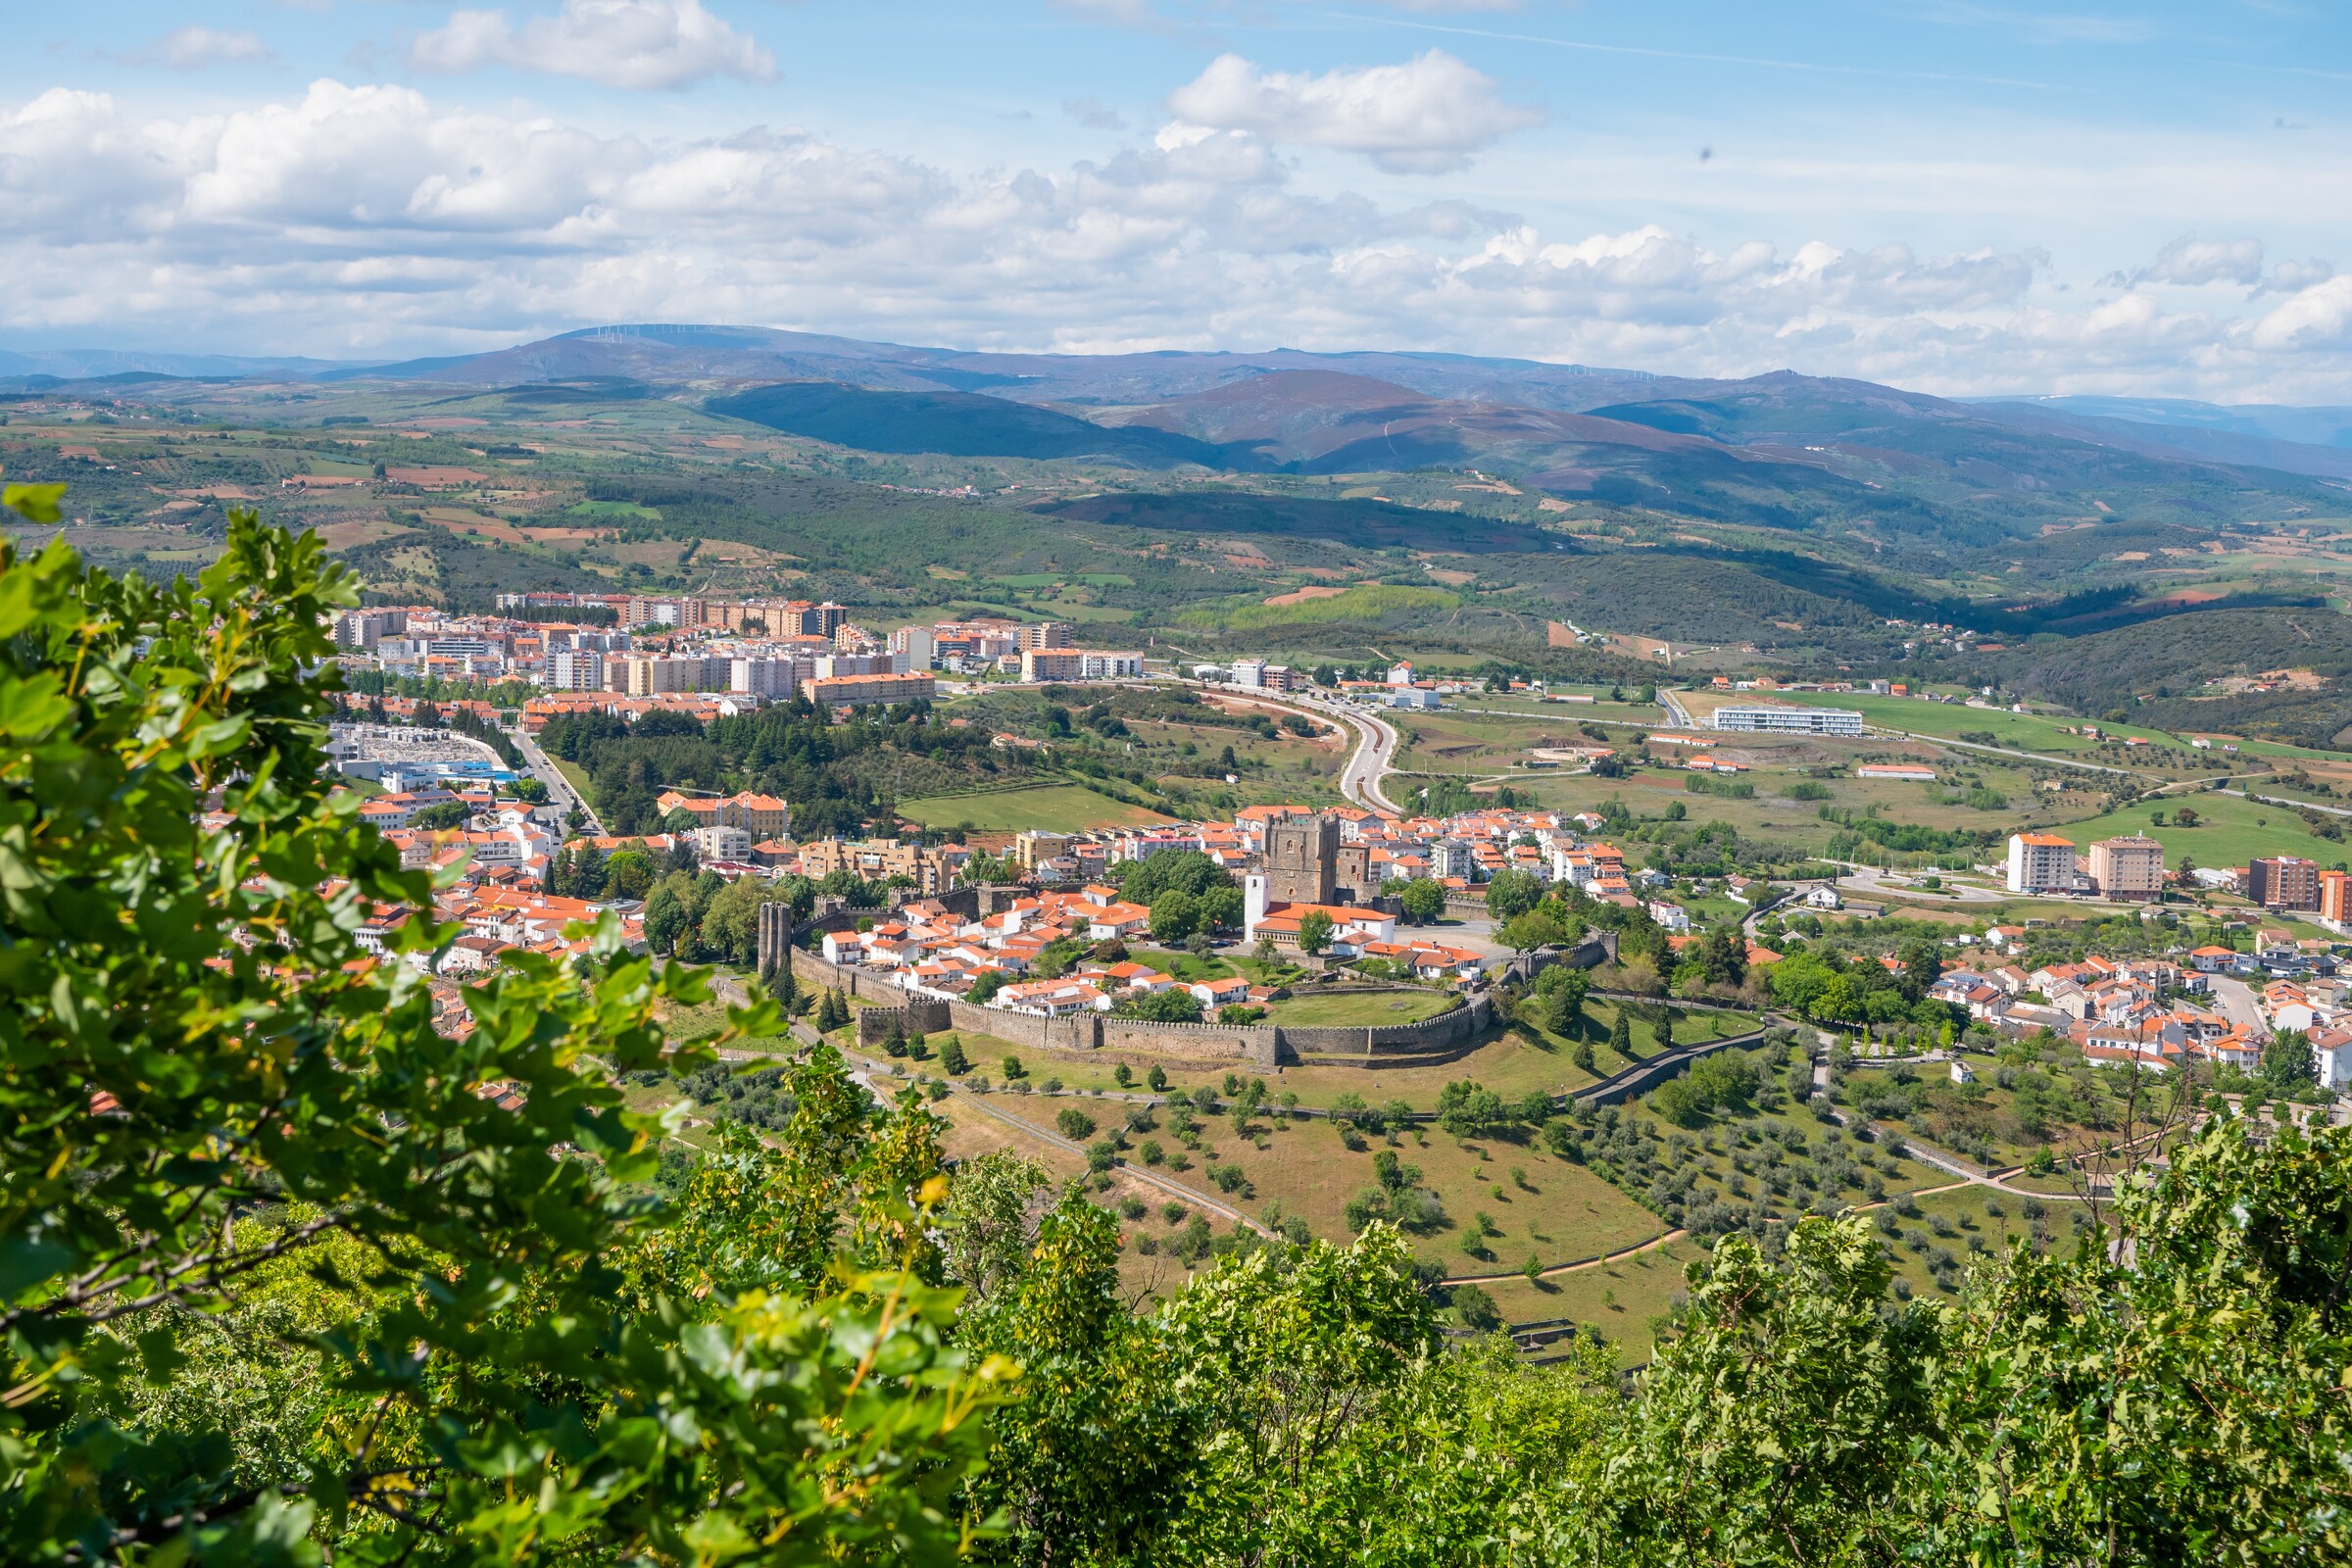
1175,915
1314,932
1511,892
280,1286
215,1104
1523,933
1186,871
1423,899
1173,1005
628,875
2286,1061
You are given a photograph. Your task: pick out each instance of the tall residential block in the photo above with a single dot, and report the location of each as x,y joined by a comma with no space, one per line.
2128,868
2041,863
2284,882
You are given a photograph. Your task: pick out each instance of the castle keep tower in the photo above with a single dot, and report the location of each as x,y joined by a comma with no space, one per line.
1302,860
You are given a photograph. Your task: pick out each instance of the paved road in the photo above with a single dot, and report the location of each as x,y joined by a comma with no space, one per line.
1872,879
2003,751
2299,805
1376,740
1360,780
2235,1000
560,796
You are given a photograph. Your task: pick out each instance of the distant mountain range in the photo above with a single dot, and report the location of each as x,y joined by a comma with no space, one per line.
1789,447
2280,421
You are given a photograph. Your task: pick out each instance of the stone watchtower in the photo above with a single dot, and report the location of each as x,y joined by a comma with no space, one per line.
775,938
1302,860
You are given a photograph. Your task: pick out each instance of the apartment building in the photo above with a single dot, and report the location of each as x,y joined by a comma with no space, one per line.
773,678
2335,895
831,665
2041,863
653,674
575,670
840,691
2284,882
1256,675
1080,664
931,869
1044,634
763,816
719,841
357,629
910,649
2128,868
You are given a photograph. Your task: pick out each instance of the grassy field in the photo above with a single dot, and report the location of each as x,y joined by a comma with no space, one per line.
1057,807
2229,831
1481,743
1360,1007
1620,1297
1601,710
2028,732
1533,1201
1772,815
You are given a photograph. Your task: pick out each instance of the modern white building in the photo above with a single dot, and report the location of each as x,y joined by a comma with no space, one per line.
2041,863
760,677
2332,1058
724,842
911,650
575,670
1777,719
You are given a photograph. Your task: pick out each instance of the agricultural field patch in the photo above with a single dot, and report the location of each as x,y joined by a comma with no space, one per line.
1053,808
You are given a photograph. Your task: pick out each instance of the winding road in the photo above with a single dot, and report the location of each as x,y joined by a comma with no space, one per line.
560,796
1376,740
1361,776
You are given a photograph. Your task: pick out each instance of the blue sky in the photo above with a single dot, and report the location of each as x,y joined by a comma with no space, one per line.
1958,197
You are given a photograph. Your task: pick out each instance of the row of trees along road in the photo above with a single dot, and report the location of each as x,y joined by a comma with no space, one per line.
289,1275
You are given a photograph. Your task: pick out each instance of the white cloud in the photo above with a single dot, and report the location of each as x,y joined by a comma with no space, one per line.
1425,116
194,47
2194,262
352,220
2292,278
622,43
1093,113
2320,318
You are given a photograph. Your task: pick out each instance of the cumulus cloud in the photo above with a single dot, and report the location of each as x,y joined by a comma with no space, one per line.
622,43
194,47
1425,116
352,220
1093,113
2192,262
2319,317
2294,277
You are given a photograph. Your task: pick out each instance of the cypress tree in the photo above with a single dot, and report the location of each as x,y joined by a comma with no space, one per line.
1621,1036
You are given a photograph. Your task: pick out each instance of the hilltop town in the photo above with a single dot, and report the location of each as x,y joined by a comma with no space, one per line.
1039,909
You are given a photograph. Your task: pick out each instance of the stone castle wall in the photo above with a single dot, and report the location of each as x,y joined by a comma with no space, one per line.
1264,1046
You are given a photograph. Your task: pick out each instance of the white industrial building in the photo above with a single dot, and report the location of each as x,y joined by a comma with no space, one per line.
1777,719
